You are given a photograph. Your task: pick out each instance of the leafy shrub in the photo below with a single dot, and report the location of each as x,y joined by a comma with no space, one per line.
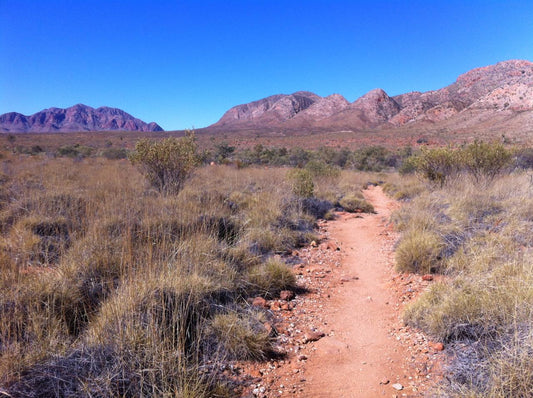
167,163
486,160
408,166
302,182
223,151
356,203
419,251
478,159
373,158
438,165
319,168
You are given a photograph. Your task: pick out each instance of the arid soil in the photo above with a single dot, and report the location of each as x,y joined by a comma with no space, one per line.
342,335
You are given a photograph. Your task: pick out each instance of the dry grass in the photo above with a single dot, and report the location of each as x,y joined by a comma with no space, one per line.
111,288
482,234
419,251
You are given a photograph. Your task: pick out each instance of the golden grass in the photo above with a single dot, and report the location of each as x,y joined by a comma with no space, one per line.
110,288
483,235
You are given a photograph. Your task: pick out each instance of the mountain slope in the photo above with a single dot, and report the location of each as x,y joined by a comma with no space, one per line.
76,118
267,112
501,92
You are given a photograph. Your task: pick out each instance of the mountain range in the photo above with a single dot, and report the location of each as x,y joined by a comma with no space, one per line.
496,96
76,118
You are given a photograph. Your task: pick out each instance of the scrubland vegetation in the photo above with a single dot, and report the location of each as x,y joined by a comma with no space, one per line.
129,273
471,220
114,285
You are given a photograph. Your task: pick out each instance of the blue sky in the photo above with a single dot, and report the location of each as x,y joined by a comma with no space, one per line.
182,64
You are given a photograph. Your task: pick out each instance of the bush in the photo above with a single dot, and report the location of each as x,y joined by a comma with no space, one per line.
302,182
479,159
482,159
167,163
319,168
75,151
373,158
408,166
437,165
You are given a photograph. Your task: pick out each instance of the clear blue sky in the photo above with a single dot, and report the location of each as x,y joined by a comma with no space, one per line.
183,63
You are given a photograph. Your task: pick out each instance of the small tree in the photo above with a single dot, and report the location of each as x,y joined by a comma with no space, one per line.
167,163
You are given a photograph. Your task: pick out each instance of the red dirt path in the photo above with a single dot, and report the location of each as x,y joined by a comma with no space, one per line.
355,297
363,358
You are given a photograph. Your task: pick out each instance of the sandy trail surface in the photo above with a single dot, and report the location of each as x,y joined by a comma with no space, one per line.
352,304
360,357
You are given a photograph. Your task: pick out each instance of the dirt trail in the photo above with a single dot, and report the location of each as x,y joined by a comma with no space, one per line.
361,357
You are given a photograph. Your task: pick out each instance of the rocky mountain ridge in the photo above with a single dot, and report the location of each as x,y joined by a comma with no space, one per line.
503,90
75,118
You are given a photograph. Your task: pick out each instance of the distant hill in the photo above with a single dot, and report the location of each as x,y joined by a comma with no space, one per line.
499,96
76,118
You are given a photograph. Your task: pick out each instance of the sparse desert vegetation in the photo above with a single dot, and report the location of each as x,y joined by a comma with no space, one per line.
121,280
114,285
475,229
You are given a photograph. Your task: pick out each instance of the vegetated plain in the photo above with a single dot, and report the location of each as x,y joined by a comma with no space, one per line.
115,286
112,286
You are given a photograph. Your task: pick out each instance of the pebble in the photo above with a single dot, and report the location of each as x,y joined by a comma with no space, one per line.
397,386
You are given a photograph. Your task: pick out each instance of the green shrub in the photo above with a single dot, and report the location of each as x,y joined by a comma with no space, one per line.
302,182
369,159
438,165
223,151
408,166
167,163
319,168
479,159
485,160
356,203
419,251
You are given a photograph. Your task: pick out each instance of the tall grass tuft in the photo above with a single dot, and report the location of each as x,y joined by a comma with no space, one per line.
479,235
